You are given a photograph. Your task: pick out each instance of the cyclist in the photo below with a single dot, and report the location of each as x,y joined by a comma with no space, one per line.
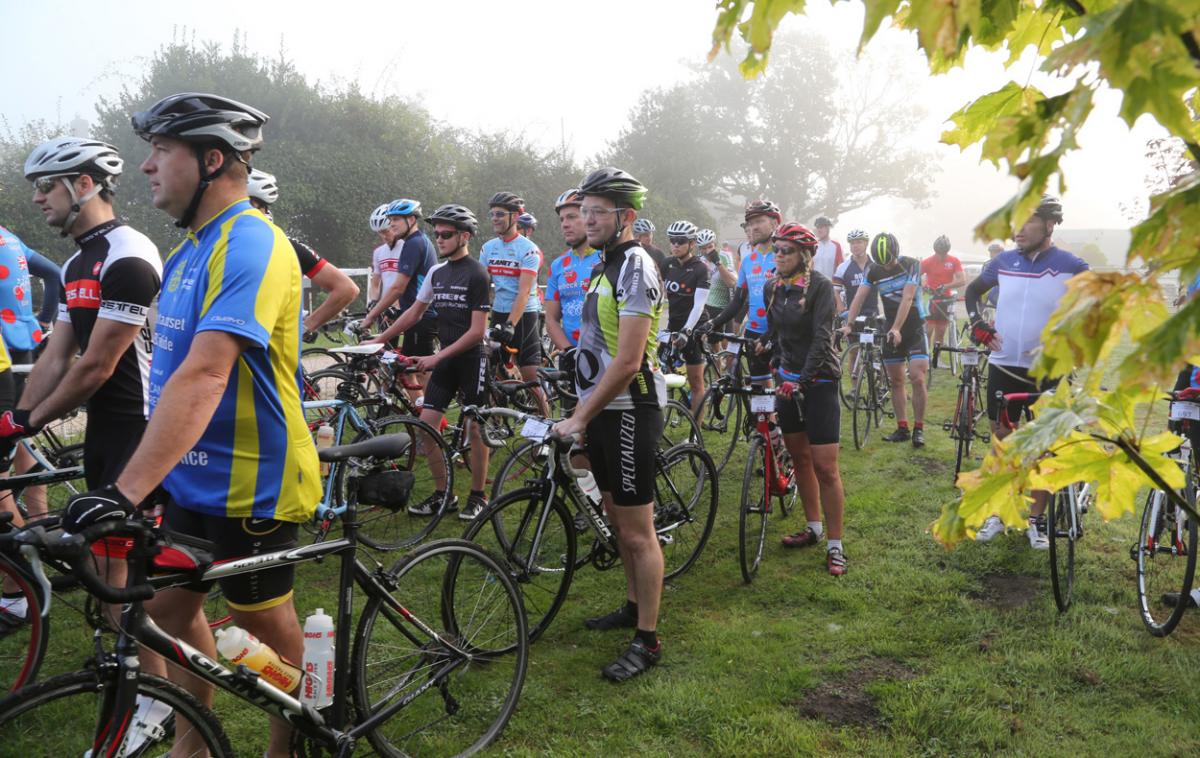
1030,281
800,306
722,275
226,437
829,251
763,217
457,288
686,283
643,232
570,275
340,290
415,259
852,274
941,273
526,224
621,397
896,278
513,263
385,259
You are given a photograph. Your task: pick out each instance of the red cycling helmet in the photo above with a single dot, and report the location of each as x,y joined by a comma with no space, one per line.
763,208
797,234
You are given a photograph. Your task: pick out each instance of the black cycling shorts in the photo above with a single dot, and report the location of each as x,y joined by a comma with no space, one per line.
527,337
1009,379
108,443
621,447
19,358
759,364
822,420
234,538
912,347
419,339
462,375
8,394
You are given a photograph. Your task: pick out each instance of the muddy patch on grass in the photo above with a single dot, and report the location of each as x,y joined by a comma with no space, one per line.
1007,591
843,701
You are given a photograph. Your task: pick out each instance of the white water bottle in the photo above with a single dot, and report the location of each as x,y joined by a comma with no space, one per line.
317,688
587,483
324,440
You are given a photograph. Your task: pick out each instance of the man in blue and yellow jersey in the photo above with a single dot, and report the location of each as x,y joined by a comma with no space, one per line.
226,437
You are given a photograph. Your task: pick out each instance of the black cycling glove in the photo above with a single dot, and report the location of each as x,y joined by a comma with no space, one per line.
87,508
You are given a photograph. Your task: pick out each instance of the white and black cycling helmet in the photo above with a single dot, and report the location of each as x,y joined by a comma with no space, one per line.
857,234
941,244
1050,208
705,237
262,186
458,216
379,218
643,226
682,230
71,156
568,198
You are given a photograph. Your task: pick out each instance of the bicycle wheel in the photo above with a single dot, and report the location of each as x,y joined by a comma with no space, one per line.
685,505
1165,554
851,365
964,416
391,526
679,426
453,693
864,400
526,460
508,529
723,422
59,717
1062,523
23,631
752,513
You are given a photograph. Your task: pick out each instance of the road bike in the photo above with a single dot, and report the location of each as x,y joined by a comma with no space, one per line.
969,422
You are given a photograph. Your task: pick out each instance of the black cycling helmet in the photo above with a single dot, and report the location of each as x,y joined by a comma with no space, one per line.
204,121
615,184
941,244
508,201
884,249
458,216
1050,208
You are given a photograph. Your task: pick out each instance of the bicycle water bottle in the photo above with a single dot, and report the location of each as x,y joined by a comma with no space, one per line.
587,483
317,689
324,440
237,645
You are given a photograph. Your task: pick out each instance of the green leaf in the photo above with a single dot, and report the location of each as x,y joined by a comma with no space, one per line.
876,12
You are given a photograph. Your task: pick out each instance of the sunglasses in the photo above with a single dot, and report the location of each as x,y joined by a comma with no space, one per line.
786,250
596,212
678,240
46,184
445,235
501,214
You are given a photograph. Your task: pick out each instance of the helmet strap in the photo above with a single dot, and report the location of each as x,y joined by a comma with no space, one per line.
77,203
205,179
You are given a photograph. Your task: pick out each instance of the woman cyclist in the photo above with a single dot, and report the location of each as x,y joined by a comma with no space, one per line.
800,311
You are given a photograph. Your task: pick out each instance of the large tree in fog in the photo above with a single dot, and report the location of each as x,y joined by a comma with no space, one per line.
815,134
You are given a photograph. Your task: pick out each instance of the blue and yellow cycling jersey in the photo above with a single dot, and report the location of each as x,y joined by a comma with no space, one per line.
570,275
757,269
505,261
238,274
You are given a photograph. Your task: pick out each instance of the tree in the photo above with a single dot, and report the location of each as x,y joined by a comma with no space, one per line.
1146,49
793,135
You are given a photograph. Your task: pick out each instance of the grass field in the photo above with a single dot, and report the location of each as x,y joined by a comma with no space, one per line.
917,651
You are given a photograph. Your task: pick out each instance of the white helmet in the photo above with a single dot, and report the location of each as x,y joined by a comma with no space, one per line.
379,218
857,234
262,186
705,237
684,229
643,226
71,156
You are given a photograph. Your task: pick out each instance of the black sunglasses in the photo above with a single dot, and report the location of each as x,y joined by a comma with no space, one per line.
678,240
445,235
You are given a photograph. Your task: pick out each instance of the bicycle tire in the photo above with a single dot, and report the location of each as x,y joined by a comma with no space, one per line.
22,641
863,406
679,426
506,528
1062,523
36,722
850,361
752,513
723,414
525,458
1163,541
383,527
454,704
686,491
965,432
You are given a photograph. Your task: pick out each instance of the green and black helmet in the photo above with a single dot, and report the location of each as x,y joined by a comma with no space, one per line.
615,184
885,248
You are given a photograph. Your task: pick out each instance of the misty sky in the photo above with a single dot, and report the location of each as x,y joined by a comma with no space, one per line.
468,61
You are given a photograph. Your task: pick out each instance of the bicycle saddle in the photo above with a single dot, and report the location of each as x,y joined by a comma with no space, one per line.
383,446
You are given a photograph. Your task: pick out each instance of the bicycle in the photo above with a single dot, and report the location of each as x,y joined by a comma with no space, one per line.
943,300
535,529
1165,551
725,410
970,412
769,465
461,629
871,397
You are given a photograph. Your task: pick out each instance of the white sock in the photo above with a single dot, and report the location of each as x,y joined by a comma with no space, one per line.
817,527
17,606
833,544
1196,596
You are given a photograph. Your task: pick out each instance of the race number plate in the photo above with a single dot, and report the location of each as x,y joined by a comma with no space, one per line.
969,358
866,338
534,429
762,403
1181,411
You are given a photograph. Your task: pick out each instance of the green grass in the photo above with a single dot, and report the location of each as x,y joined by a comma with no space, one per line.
917,651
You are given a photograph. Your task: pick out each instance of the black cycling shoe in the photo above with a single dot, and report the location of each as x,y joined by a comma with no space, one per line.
918,437
1171,599
621,618
638,659
900,435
